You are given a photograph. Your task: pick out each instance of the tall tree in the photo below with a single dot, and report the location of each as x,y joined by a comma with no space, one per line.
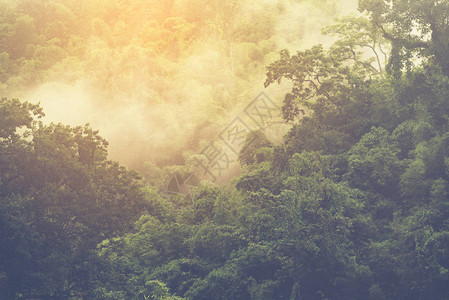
416,29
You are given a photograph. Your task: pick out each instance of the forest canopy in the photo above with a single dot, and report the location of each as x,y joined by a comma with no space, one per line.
350,205
174,72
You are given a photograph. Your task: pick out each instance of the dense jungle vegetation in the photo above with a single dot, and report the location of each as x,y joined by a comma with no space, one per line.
353,204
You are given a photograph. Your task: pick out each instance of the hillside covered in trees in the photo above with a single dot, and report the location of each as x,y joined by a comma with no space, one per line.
160,75
353,204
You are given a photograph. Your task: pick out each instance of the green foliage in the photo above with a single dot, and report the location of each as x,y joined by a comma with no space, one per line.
255,148
373,163
414,28
60,197
356,36
353,205
324,79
